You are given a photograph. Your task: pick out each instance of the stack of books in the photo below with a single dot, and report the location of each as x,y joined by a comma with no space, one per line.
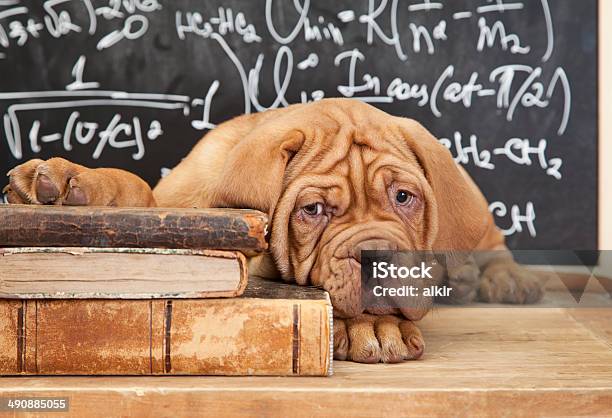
131,291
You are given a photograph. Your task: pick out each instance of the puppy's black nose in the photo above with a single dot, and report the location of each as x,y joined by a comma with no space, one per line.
371,245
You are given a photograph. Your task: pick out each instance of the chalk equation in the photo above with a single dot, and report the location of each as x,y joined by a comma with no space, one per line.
64,17
119,132
268,54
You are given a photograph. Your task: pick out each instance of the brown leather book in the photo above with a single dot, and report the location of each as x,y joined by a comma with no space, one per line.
272,329
120,273
65,226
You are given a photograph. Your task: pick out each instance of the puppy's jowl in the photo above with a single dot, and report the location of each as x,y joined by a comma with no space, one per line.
336,177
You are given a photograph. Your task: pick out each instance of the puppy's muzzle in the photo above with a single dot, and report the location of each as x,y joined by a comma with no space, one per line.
416,309
371,245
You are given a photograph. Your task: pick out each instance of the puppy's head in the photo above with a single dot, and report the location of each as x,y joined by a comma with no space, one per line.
339,176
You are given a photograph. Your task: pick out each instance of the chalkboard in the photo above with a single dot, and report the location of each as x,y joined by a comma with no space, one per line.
509,86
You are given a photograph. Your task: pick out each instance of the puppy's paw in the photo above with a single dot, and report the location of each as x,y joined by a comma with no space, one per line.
38,182
464,281
374,339
60,182
505,281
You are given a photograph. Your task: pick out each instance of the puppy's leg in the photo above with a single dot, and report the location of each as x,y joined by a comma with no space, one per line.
373,338
61,182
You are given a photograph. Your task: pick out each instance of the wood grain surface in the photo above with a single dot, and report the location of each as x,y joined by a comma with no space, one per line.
481,361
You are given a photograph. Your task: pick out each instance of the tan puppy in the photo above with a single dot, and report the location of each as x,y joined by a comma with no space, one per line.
336,177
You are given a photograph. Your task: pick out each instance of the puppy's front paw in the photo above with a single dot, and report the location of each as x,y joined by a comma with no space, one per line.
505,281
374,339
38,182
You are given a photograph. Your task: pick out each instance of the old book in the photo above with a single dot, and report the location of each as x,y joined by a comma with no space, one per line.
65,226
272,329
120,273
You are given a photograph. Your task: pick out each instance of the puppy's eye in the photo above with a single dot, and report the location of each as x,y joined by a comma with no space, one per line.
403,197
314,209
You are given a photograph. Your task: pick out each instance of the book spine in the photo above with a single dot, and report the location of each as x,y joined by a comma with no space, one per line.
156,337
29,226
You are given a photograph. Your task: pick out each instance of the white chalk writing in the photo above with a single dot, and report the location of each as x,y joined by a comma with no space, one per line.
291,51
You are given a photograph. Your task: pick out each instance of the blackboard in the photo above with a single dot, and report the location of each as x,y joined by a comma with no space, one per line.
509,86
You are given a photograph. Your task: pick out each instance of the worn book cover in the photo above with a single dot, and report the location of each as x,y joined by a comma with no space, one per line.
272,329
82,226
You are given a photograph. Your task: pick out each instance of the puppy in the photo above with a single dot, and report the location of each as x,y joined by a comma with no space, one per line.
335,177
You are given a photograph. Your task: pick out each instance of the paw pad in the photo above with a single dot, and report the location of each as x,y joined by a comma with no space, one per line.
76,196
46,191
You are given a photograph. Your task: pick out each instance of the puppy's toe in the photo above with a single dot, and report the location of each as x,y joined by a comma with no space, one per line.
364,346
533,290
393,349
75,195
10,196
341,340
46,190
413,339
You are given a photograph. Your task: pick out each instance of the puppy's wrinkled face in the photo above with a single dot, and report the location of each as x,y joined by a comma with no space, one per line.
339,176
361,194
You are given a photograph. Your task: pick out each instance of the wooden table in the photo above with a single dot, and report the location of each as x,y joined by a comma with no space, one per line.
479,361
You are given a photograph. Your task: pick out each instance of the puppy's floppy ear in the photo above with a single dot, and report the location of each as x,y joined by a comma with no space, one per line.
461,210
252,176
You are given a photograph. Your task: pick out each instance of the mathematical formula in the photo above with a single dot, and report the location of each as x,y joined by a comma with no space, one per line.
511,89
